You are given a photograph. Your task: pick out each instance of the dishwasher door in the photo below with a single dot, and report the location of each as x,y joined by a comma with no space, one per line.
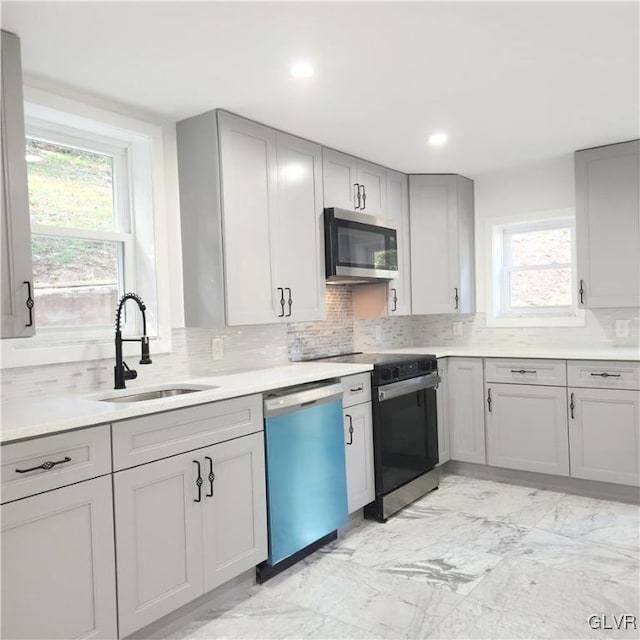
306,479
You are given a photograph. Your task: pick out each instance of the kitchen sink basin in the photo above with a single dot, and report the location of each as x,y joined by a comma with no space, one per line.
157,394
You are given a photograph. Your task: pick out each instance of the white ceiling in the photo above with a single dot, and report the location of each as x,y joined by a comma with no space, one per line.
513,83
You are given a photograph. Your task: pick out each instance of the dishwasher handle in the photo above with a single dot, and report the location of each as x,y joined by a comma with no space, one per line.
300,397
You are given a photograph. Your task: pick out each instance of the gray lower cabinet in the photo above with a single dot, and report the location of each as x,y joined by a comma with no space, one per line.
526,428
58,568
466,409
442,407
176,538
604,433
358,438
359,456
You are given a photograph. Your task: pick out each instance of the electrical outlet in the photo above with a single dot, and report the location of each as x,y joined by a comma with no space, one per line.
622,328
378,333
217,348
457,329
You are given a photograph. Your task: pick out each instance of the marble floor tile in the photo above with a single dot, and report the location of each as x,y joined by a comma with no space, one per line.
475,559
386,605
499,501
557,595
480,621
595,560
602,521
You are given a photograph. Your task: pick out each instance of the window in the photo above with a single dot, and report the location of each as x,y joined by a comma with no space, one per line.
533,263
82,244
97,194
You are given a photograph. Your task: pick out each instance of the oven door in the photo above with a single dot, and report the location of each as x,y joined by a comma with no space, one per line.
359,247
405,431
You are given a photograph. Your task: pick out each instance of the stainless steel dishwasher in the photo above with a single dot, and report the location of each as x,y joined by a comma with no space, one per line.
306,479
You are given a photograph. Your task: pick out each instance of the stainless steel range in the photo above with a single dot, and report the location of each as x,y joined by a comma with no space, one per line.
405,428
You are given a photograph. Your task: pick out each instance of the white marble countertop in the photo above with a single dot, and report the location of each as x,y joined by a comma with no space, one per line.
509,351
22,420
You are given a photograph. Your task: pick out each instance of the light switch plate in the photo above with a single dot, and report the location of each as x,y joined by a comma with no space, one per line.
217,348
622,328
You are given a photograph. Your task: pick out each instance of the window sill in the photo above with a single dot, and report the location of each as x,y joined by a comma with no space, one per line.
575,320
30,352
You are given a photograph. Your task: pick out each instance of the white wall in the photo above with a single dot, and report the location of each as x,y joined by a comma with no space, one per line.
545,186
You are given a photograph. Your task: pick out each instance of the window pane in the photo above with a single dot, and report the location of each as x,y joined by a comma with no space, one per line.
69,187
541,288
541,247
75,281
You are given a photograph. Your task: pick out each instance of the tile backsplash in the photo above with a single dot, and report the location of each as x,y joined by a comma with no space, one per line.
254,347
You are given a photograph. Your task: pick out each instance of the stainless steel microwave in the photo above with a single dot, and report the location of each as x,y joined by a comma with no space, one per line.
358,247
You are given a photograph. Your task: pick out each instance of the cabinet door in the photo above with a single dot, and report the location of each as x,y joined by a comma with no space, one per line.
604,435
248,169
398,216
58,568
235,516
359,456
608,225
15,232
297,230
373,179
434,243
527,428
442,404
158,528
340,179
466,409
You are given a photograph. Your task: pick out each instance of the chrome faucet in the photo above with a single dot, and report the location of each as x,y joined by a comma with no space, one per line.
121,371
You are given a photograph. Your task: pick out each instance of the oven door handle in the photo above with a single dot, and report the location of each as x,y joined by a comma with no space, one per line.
404,387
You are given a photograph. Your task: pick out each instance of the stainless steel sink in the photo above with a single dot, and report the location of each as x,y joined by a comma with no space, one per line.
156,395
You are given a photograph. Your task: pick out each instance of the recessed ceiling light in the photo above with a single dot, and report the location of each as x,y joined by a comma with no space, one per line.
438,139
302,69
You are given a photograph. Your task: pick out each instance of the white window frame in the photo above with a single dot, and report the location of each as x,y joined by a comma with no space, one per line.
144,145
86,141
499,312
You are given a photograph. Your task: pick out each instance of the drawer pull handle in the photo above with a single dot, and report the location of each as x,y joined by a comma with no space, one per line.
572,406
211,476
356,389
523,371
606,375
350,428
456,297
489,399
45,466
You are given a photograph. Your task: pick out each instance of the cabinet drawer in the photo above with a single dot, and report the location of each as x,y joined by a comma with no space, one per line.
166,434
604,374
80,455
356,389
531,371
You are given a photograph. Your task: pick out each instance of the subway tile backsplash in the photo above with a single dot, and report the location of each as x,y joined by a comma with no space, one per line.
254,347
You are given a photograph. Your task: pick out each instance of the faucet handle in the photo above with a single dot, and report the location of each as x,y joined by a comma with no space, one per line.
145,358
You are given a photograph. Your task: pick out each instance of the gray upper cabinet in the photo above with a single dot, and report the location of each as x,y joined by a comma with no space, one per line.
17,286
441,217
252,235
398,215
354,184
608,225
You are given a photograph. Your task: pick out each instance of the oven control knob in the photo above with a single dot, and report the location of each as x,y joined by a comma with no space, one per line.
386,373
395,373
425,365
